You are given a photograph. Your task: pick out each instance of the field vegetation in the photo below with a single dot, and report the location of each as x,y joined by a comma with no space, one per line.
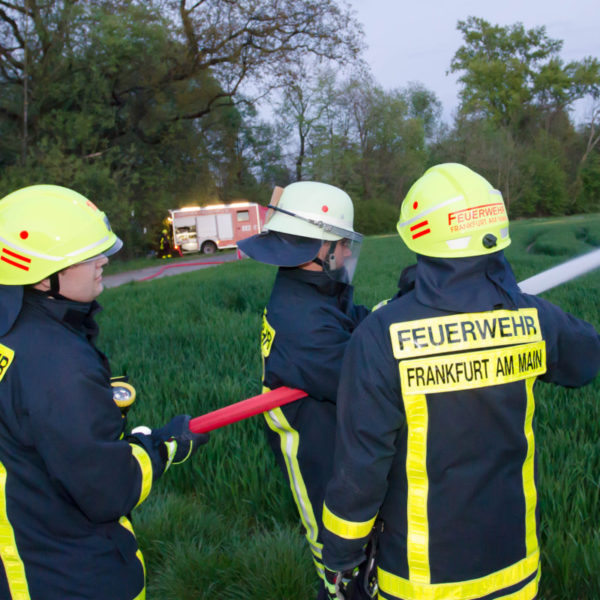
223,525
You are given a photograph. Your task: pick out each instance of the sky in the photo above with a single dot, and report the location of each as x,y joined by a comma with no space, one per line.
416,40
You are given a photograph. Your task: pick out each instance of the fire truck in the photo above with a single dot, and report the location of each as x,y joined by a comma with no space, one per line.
209,228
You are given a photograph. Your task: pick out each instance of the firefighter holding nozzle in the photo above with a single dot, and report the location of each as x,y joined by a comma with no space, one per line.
69,472
435,442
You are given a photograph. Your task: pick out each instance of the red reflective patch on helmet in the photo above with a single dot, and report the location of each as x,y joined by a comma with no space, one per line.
91,204
418,229
415,205
24,235
17,257
324,208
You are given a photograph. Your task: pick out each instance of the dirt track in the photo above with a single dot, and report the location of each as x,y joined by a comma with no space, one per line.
164,268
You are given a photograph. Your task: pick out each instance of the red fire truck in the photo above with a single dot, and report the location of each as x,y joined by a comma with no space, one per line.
209,228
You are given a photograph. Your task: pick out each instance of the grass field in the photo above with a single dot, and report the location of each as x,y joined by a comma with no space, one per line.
223,525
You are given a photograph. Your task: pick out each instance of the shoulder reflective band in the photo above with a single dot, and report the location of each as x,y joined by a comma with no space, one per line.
472,369
464,332
6,357
267,335
244,409
328,227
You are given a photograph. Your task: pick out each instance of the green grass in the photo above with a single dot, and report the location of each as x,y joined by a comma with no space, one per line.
223,524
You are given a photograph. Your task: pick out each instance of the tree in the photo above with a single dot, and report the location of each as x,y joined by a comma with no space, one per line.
510,74
305,98
133,101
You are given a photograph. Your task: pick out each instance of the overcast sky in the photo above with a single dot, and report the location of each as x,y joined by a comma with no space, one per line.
416,40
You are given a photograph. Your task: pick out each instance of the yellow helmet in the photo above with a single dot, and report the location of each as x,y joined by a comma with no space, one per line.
46,228
451,211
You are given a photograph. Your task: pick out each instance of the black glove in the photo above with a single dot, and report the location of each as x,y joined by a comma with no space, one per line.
171,444
340,584
180,441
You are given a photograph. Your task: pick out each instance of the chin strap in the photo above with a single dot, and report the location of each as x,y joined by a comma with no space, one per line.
54,290
318,261
330,264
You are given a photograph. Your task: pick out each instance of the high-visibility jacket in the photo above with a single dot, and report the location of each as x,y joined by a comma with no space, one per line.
306,327
67,478
435,440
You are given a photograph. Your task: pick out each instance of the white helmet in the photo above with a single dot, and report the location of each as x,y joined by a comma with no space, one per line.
308,215
314,210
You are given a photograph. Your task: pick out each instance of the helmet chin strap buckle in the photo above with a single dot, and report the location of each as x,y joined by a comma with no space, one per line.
54,285
331,260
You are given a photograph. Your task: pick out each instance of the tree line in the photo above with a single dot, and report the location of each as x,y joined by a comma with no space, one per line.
150,105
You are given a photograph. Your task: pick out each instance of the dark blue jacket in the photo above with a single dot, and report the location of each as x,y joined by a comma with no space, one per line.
66,477
435,435
307,324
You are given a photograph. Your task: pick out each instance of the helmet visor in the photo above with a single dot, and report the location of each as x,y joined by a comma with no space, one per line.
340,258
280,249
108,252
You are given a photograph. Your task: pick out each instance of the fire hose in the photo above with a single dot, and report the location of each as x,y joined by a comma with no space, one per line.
283,395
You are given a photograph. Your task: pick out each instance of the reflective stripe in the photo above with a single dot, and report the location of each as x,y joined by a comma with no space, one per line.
432,209
87,248
289,448
417,542
469,370
267,336
9,553
146,468
451,373
126,523
350,530
529,488
465,590
6,357
319,566
470,331
529,592
29,251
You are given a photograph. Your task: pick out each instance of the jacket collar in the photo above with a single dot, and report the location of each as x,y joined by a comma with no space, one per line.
472,284
317,279
11,301
78,316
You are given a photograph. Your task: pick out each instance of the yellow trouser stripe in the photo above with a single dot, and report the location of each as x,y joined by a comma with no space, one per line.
529,488
464,590
350,530
417,543
289,448
125,522
146,468
9,553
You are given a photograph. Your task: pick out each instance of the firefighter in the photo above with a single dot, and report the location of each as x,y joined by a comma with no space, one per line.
306,325
164,245
69,473
435,444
